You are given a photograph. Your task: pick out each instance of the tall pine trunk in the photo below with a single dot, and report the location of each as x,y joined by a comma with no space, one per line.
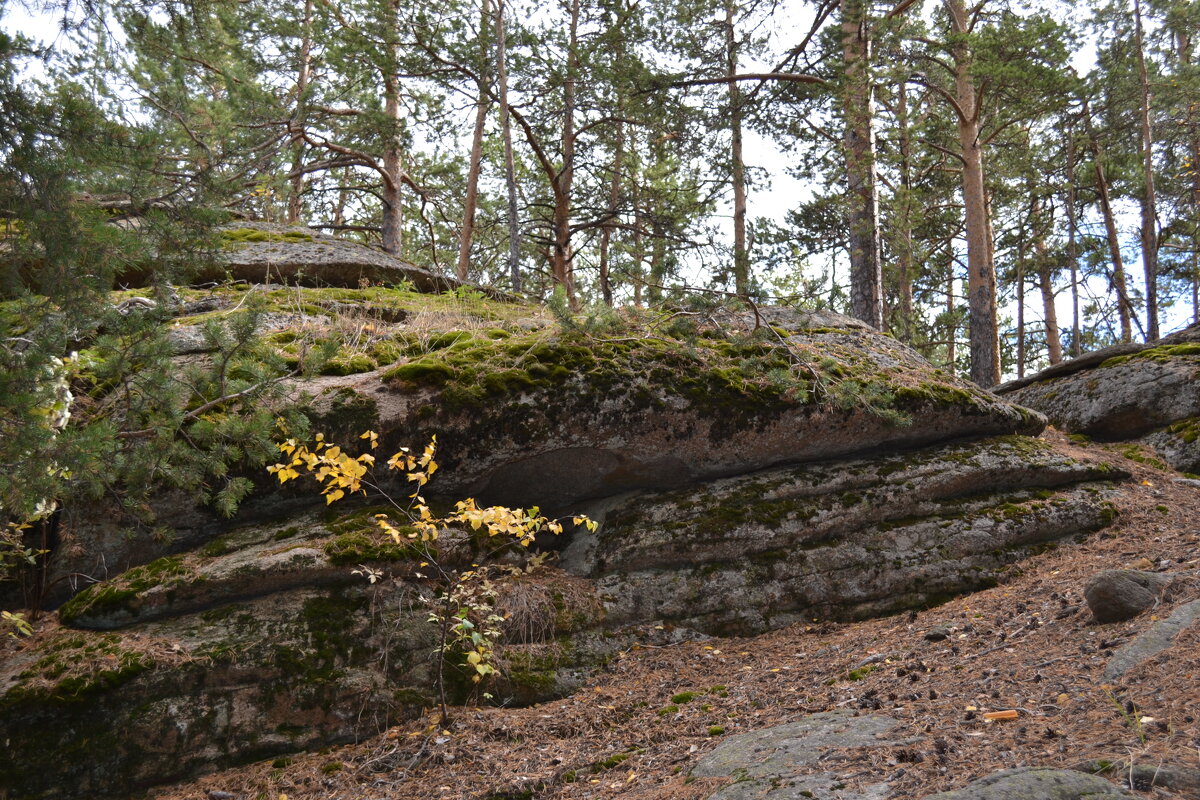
1149,204
1072,247
467,231
1183,49
614,198
866,276
562,257
904,256
1021,306
1124,309
951,327
303,75
510,171
981,272
741,256
1045,270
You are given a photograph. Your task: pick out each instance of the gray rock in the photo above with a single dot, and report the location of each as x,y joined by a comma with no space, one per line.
1178,444
844,540
1116,595
776,763
1158,638
1147,393
293,669
303,255
1144,777
1035,783
938,633
637,416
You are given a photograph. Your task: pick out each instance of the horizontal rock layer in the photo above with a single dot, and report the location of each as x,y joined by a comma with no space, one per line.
842,540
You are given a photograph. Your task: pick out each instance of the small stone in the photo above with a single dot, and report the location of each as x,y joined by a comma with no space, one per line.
1116,595
938,633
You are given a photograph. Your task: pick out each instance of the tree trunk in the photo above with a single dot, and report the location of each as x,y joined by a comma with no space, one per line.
1046,285
1072,248
1124,309
562,266
741,256
981,272
614,197
866,276
1149,203
467,231
510,171
1021,306
393,169
639,248
952,329
658,260
303,75
904,255
1183,48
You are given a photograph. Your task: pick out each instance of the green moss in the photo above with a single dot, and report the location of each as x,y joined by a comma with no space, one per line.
422,372
77,668
1160,354
1138,453
532,682
360,547
1186,429
111,595
332,767
218,547
715,730
860,673
411,697
236,236
671,709
348,363
329,622
684,697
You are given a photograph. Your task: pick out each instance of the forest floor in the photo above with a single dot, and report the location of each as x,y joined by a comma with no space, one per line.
1028,645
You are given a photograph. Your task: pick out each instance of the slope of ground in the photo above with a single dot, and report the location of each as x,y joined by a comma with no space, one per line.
637,729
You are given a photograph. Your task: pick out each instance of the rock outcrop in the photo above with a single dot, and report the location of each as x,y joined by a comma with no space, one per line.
748,470
1144,393
528,415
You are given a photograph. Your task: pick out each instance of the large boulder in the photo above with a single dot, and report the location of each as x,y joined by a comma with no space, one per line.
553,419
527,413
1146,393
